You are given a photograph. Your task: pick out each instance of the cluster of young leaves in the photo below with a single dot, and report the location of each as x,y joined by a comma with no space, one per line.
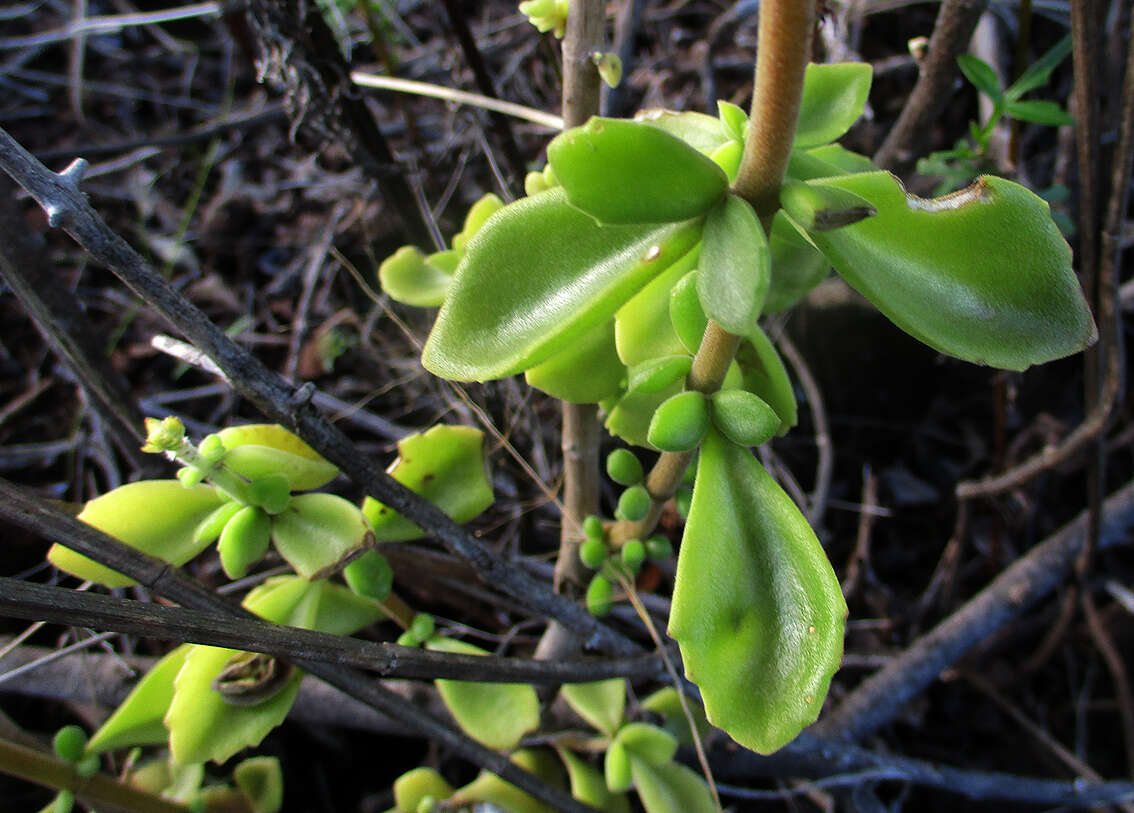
236,489
968,156
599,286
637,755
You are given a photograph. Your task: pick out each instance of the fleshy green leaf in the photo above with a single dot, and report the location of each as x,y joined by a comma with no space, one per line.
743,418
158,517
834,97
259,449
477,216
757,610
734,121
841,158
679,424
670,788
797,265
445,465
817,207
601,703
319,533
658,373
493,714
501,795
585,373
138,720
408,278
413,786
539,277
685,312
260,779
648,742
666,702
589,786
735,268
642,329
983,274
766,376
699,130
203,726
621,171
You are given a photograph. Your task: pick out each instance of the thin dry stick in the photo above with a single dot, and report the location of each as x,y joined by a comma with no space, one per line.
1068,758
580,431
58,605
67,208
881,697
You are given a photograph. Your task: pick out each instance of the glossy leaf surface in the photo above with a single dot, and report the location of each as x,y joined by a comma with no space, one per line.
642,329
320,533
834,96
621,171
699,130
757,610
766,376
413,786
408,278
983,274
585,373
493,714
743,418
445,465
536,279
797,265
735,266
304,467
158,517
817,207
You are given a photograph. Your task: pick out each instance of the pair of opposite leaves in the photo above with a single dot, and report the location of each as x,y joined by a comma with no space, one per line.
983,275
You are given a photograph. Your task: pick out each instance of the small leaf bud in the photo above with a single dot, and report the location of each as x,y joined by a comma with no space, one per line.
633,554
634,504
165,435
624,468
600,595
592,553
423,626
592,527
658,547
69,743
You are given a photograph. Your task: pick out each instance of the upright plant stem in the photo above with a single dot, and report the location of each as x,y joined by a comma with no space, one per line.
784,46
581,435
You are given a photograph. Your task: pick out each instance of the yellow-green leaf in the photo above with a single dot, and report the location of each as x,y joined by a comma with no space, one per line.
757,610
538,276
493,714
158,517
621,171
446,466
601,703
983,274
259,449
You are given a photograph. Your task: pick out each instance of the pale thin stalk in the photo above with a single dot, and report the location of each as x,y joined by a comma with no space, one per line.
519,111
